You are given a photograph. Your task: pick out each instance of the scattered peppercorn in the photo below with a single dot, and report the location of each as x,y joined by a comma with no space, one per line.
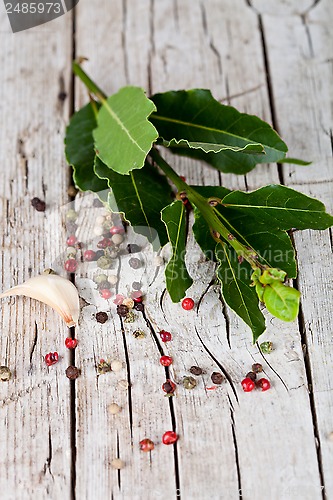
169,437
251,375
263,384
104,243
116,365
165,360
130,317
266,347
134,263
89,255
51,358
133,248
105,293
103,367
189,382
257,368
104,285
138,306
71,227
71,265
97,203
72,372
71,191
187,304
98,254
128,302
217,378
139,334
5,373
38,204
122,310
70,343
196,370
146,445
114,408
99,278
169,387
248,385
104,262
165,336
123,384
117,464
136,285
71,240
71,215
117,239
117,230
101,317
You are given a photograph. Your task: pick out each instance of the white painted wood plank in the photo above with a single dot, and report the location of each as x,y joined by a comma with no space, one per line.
306,116
187,46
35,444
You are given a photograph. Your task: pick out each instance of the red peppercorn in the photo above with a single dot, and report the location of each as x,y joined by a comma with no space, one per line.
70,343
169,437
263,384
166,361
71,240
183,178
137,296
89,255
187,304
51,358
118,299
165,336
248,384
71,265
117,230
106,293
169,387
146,445
104,243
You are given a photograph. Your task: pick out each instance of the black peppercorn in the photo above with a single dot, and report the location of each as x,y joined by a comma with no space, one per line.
71,227
135,263
169,387
136,285
217,378
122,310
72,372
102,317
133,248
196,370
98,254
251,375
138,306
97,203
257,368
104,285
38,204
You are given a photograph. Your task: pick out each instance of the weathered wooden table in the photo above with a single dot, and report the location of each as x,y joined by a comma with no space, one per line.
267,57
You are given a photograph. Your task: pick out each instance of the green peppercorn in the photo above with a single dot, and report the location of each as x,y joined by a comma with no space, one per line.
189,382
5,373
71,215
104,262
266,347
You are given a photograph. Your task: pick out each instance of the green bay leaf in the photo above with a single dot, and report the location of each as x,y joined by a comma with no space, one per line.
237,293
280,207
124,136
79,149
195,116
141,196
177,277
281,300
207,147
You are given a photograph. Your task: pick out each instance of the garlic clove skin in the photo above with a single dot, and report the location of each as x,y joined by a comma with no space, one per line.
53,290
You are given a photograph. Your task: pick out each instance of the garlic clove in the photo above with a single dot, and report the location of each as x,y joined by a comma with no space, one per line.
53,290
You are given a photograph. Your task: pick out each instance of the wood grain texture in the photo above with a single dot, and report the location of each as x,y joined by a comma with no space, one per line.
35,406
269,58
